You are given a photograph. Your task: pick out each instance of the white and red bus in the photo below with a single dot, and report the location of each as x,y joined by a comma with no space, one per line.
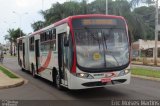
79,52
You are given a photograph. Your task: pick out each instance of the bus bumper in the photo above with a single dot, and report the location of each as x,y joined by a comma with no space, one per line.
82,83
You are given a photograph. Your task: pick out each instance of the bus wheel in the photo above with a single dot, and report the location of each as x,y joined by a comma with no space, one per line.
20,63
54,73
22,69
58,81
33,71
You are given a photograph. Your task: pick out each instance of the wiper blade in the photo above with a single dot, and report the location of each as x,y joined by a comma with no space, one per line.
115,59
105,41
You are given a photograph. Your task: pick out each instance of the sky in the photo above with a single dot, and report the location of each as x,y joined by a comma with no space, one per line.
22,13
12,11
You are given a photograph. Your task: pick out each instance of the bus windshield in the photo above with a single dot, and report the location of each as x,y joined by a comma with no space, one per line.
101,43
101,48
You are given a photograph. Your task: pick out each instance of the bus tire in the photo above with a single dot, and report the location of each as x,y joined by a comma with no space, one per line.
54,73
58,81
20,63
22,69
33,71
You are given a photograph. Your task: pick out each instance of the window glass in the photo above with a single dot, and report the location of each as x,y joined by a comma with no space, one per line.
31,41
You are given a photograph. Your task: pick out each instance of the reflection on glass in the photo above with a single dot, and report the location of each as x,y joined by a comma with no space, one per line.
101,48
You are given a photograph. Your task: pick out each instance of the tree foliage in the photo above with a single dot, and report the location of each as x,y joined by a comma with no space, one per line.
12,35
140,20
148,16
37,25
137,2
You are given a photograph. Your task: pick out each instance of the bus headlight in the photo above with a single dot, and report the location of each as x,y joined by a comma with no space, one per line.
124,72
84,75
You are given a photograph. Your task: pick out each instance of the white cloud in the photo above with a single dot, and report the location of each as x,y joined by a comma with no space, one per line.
22,3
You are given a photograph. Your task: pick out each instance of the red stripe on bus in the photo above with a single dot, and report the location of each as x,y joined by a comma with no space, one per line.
45,65
73,70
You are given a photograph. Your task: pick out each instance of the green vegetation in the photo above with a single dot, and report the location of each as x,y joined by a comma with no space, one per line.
8,73
12,36
145,72
140,20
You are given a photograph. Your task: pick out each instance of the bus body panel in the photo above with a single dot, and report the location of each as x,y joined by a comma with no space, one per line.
27,67
76,82
48,58
31,54
52,61
23,53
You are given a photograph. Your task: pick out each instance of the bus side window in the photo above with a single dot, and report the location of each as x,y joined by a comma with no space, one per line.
53,40
31,44
50,34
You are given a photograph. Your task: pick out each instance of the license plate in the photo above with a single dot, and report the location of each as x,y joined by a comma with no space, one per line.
104,80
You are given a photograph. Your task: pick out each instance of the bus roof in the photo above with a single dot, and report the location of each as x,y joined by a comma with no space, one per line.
96,15
68,19
22,37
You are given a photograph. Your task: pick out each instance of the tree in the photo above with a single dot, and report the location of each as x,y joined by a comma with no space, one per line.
84,7
60,11
138,28
55,13
98,6
12,36
148,16
137,2
9,37
37,25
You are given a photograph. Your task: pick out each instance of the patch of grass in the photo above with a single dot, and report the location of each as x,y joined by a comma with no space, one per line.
8,73
145,72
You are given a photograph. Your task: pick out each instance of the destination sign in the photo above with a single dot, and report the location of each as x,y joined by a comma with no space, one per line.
99,22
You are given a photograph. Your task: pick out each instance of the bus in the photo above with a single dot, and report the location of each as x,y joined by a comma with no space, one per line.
79,52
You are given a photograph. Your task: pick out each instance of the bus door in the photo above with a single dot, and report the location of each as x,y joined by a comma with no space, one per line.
23,52
37,53
61,58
